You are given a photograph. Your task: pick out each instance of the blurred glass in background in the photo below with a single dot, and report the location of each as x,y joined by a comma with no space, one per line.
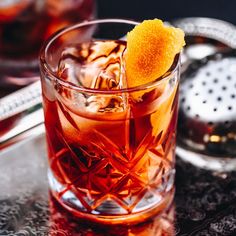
24,25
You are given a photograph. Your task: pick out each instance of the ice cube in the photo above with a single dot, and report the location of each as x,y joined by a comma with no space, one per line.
105,103
96,65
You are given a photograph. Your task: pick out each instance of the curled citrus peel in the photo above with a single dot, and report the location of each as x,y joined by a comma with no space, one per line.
151,49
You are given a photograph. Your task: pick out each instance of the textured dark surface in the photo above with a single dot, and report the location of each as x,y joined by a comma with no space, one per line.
205,203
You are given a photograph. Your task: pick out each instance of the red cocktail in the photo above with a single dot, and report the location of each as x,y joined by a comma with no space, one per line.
110,147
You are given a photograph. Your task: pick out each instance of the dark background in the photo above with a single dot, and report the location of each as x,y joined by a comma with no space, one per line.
167,10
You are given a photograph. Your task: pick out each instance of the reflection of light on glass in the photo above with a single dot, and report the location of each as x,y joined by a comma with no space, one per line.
200,51
215,138
212,138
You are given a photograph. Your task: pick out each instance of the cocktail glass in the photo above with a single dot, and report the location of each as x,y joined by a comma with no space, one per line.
111,148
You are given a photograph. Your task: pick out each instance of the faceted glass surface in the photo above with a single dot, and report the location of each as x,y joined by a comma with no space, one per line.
110,148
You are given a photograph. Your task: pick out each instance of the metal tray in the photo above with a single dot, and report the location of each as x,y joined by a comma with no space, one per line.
204,204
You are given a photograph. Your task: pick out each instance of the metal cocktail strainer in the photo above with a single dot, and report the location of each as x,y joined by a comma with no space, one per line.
207,110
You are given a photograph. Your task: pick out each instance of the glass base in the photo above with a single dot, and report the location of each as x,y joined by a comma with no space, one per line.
108,210
213,163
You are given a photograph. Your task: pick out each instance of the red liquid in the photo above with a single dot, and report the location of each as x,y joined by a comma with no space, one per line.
105,148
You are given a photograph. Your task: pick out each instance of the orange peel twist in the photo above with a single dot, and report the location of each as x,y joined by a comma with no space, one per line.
151,49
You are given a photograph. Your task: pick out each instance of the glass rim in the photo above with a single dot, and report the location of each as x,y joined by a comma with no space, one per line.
70,85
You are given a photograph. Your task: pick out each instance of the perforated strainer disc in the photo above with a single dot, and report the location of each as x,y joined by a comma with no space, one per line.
207,115
210,95
207,111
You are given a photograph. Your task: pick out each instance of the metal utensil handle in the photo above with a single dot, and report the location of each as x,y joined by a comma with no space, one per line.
20,100
207,27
